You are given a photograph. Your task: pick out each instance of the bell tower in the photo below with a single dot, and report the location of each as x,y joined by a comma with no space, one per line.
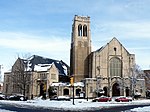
80,48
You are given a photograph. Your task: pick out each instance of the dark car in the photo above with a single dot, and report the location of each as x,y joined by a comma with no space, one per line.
102,99
123,99
17,98
61,98
2,97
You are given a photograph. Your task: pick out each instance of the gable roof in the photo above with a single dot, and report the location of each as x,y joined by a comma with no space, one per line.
114,38
40,61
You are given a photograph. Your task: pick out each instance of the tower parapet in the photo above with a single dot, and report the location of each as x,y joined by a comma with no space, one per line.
82,18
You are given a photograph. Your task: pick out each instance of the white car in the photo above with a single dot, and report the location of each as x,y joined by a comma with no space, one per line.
61,98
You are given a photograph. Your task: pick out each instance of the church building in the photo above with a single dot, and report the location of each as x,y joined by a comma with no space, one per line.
108,70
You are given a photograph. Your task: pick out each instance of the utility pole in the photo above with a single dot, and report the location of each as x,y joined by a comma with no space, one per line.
87,91
1,73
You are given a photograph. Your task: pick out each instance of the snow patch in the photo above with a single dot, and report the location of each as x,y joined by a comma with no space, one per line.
42,67
141,109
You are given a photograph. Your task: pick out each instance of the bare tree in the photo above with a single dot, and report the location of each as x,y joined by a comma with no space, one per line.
21,76
136,75
147,78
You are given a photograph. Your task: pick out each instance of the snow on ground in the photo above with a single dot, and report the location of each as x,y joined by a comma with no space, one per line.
80,104
141,109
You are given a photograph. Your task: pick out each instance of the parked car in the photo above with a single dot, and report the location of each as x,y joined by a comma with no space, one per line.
123,99
137,95
102,99
61,98
2,97
17,97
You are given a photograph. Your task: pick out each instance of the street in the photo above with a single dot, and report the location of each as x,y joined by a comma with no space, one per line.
23,108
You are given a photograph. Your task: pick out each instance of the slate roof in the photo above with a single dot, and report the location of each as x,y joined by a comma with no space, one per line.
39,60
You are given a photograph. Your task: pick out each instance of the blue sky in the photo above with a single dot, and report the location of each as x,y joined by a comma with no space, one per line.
43,27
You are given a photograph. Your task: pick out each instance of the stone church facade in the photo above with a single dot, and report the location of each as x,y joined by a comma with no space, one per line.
33,76
108,70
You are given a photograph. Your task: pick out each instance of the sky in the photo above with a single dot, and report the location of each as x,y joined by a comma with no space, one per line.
43,27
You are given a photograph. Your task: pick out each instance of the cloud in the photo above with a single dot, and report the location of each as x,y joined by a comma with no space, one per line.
133,34
15,40
15,44
138,29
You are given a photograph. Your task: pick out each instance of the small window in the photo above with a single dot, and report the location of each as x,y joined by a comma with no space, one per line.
115,49
53,76
91,89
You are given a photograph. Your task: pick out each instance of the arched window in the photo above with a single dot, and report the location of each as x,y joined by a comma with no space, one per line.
66,91
80,30
115,67
84,30
6,88
127,91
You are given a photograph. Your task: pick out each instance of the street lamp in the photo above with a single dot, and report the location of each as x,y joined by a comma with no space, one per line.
58,90
72,84
73,95
87,91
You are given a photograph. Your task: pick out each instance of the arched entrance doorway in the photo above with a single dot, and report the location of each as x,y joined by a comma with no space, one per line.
41,89
115,90
127,91
105,91
66,91
78,92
